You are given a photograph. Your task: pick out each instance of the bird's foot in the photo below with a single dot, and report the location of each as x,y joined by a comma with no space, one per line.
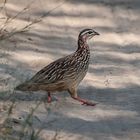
88,103
84,102
49,99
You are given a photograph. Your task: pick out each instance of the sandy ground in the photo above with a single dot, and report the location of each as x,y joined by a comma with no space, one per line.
113,79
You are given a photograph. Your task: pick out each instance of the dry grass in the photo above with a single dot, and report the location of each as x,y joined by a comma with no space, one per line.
112,79
26,130
4,30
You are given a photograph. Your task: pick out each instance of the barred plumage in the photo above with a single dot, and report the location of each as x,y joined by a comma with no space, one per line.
65,73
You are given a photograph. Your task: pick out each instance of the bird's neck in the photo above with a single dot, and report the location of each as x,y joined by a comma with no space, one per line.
82,43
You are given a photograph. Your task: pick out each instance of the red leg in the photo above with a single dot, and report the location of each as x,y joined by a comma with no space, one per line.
84,102
49,98
73,93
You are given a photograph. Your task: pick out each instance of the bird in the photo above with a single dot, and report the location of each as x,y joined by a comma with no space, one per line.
66,73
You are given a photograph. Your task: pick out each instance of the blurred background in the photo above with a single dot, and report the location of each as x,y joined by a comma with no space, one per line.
34,33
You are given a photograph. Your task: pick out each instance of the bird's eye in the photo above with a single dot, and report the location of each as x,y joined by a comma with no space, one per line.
90,32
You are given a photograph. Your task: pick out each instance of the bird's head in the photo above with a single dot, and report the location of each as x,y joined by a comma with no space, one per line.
87,34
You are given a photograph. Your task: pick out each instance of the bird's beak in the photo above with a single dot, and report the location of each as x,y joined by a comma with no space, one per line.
96,33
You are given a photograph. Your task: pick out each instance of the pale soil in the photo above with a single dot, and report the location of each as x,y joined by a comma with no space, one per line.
113,79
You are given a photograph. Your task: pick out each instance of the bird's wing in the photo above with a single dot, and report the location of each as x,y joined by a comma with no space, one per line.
54,72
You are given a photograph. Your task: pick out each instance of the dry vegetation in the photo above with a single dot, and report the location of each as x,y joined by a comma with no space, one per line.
25,129
30,40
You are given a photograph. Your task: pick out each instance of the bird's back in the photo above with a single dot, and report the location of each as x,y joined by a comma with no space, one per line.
60,74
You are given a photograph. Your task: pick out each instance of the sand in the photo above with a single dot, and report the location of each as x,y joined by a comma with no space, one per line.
112,81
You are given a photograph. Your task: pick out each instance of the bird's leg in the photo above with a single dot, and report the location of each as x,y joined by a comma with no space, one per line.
84,102
73,93
49,99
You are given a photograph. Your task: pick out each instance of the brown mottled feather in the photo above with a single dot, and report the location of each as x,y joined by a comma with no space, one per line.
65,73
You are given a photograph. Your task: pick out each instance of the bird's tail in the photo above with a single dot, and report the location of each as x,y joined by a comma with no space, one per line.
26,87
